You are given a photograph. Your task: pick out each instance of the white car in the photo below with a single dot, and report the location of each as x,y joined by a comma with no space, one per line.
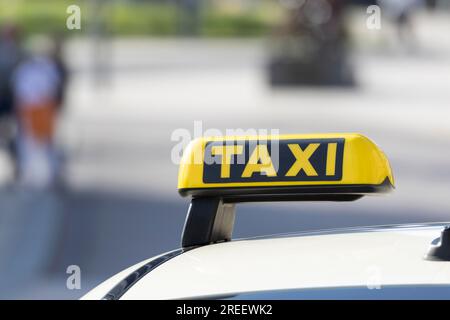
383,262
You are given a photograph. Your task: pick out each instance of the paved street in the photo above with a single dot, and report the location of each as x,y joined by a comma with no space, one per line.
123,204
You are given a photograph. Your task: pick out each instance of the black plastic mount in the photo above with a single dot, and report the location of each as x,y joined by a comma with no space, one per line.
344,192
209,220
440,251
210,217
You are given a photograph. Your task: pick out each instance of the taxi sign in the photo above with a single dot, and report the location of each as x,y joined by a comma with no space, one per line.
219,172
286,164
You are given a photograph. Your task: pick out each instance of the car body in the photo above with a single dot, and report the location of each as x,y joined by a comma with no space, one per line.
385,262
306,265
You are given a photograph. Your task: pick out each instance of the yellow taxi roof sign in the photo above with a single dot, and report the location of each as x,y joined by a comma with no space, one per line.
295,166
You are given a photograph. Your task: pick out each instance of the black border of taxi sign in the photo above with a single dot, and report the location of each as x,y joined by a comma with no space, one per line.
253,160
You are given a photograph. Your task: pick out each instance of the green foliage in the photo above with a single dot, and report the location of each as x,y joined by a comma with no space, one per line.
127,18
220,25
142,19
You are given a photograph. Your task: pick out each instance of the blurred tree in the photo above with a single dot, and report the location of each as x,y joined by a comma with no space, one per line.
310,47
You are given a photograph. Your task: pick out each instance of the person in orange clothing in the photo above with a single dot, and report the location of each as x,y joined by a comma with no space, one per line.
36,84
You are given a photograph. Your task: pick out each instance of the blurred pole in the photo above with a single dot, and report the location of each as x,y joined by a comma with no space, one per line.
188,17
100,37
431,4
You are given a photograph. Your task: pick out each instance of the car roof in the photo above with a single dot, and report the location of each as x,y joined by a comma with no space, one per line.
386,255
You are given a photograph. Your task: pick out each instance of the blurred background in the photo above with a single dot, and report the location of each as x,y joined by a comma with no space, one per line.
87,117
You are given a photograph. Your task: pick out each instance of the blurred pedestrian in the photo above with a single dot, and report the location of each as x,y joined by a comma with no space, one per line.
11,53
37,84
400,12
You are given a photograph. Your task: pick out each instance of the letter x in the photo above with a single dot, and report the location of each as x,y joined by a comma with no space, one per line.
302,160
